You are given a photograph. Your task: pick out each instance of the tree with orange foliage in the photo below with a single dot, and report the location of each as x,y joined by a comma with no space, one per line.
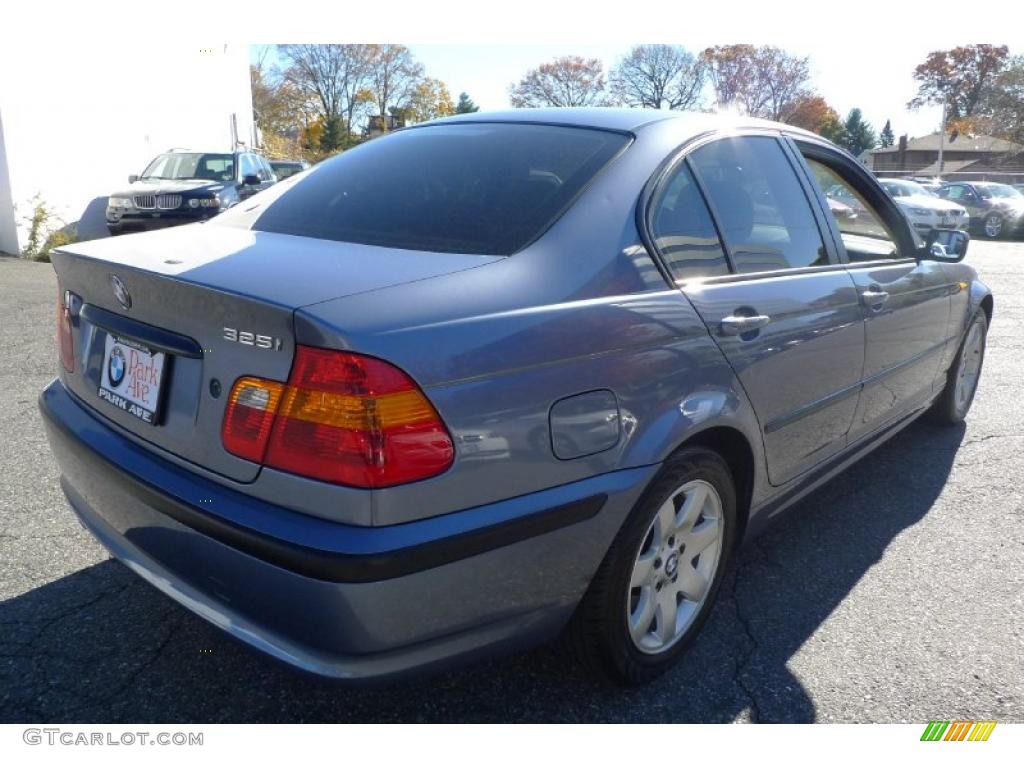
959,77
813,113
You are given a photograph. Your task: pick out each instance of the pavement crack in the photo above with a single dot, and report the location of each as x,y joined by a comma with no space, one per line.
110,695
69,612
986,438
739,677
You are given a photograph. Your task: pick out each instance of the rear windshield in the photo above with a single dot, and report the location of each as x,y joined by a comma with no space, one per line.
469,188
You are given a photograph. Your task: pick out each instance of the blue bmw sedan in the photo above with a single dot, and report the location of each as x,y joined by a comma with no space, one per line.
496,378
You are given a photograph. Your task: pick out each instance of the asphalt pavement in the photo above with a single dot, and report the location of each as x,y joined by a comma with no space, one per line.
893,594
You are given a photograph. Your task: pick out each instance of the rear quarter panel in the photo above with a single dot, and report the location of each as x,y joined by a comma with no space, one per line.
582,309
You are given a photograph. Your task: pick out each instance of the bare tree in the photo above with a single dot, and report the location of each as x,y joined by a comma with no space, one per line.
333,76
762,81
568,81
393,76
659,76
278,105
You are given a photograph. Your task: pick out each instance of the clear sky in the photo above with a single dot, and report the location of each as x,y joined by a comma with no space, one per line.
847,70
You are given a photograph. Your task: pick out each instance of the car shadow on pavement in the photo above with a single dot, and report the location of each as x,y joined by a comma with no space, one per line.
92,224
102,645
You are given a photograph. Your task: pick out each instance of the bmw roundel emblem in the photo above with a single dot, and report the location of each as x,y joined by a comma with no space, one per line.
121,292
115,367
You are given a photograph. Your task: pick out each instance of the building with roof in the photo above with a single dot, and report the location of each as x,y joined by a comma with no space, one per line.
965,157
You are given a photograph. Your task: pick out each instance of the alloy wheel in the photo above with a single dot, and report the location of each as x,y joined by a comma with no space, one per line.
675,567
970,366
993,225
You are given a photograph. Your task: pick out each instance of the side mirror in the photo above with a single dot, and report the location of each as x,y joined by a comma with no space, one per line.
133,178
251,180
948,245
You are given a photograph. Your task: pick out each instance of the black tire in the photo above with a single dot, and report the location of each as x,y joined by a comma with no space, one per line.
996,219
114,229
598,634
948,409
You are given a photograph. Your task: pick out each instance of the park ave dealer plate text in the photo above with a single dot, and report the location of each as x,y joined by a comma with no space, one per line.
131,377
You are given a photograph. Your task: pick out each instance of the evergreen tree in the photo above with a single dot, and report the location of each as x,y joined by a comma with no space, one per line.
465,105
886,138
334,135
858,134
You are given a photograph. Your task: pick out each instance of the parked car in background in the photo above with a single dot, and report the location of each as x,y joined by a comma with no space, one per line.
840,193
931,183
285,168
996,210
183,186
499,376
926,210
840,210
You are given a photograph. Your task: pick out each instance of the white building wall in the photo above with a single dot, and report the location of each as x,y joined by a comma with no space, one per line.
76,124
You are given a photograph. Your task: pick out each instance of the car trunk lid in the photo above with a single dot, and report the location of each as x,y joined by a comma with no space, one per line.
212,304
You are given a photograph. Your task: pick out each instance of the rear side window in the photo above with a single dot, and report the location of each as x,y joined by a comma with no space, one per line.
761,208
470,188
683,231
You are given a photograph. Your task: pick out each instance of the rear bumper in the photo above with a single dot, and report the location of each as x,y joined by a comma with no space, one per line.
339,600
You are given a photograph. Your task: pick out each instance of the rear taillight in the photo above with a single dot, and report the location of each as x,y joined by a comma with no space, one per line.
250,416
65,339
343,418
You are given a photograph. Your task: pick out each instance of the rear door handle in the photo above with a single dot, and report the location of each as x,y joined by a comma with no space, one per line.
874,297
735,325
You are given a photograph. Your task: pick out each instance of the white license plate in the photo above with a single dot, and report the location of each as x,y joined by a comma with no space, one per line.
131,377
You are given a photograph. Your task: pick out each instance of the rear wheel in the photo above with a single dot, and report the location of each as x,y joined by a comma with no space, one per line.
658,582
962,379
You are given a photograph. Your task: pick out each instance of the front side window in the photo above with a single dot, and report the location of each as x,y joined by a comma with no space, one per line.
248,166
488,188
261,169
762,211
683,231
864,232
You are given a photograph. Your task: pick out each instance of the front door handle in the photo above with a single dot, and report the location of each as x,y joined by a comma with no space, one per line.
874,297
735,325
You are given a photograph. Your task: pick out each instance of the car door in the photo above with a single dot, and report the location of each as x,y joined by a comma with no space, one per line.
734,224
905,301
964,194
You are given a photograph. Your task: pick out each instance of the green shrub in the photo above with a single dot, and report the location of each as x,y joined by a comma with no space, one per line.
46,231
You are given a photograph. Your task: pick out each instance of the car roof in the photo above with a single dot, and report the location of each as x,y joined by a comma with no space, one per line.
617,119
186,151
